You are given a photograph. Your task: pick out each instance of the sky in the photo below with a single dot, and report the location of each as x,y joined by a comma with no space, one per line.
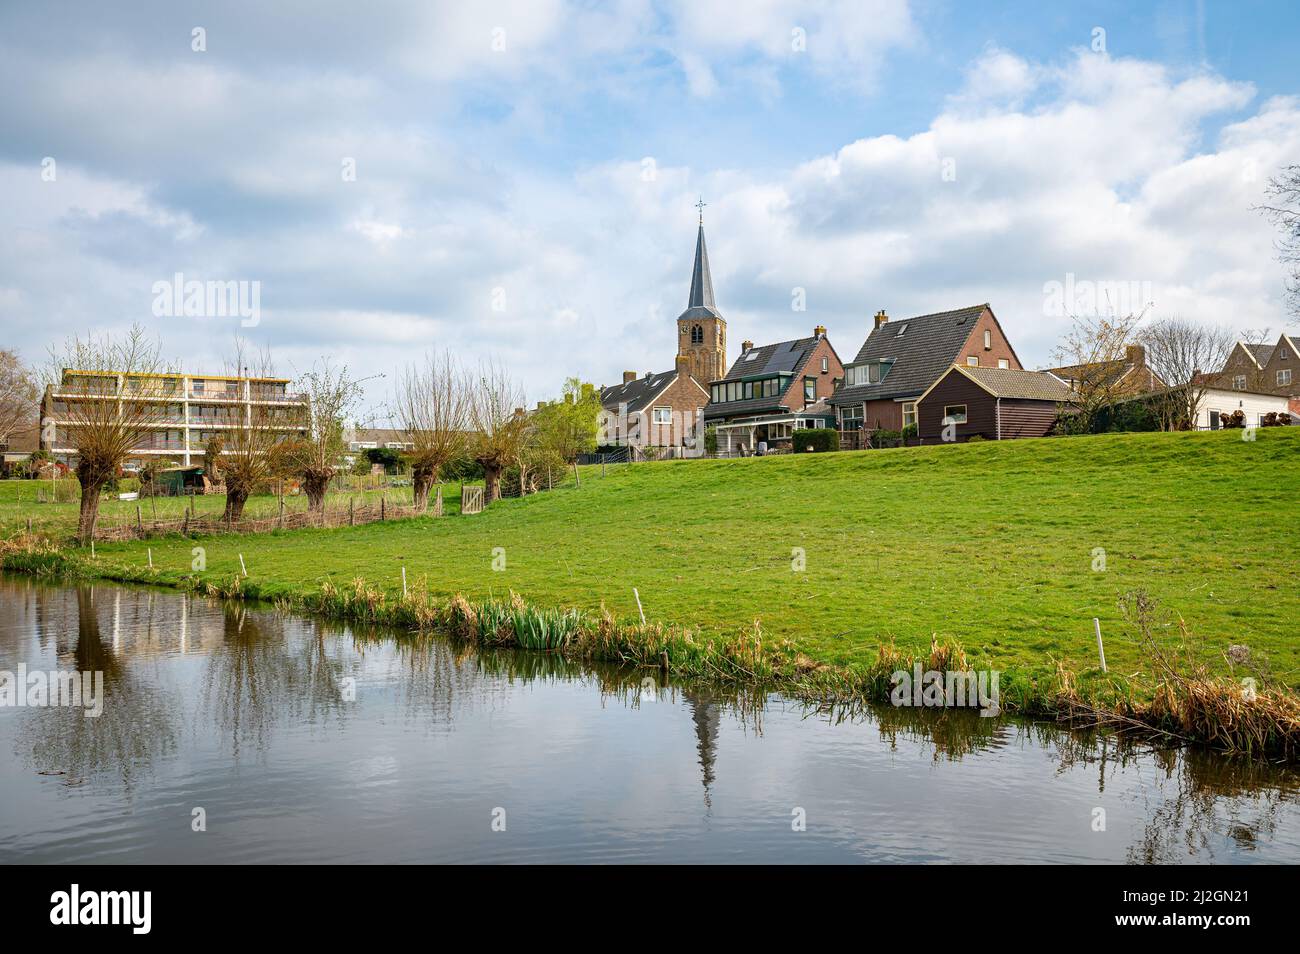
517,180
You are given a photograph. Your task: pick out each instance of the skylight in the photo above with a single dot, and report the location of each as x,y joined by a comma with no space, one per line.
751,355
902,329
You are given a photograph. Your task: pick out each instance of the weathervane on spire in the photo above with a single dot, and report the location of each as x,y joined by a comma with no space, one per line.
700,205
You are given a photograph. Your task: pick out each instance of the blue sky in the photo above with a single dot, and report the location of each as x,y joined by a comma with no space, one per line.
526,171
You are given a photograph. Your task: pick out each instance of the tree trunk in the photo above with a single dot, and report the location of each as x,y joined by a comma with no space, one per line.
421,481
236,497
315,485
89,509
492,482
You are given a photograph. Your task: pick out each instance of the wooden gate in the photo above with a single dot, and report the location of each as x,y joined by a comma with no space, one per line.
471,499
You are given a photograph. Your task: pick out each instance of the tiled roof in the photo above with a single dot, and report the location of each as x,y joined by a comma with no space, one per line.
636,394
1025,385
1262,353
922,348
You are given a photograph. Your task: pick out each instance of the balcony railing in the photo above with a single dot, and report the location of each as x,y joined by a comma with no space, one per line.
165,444
216,395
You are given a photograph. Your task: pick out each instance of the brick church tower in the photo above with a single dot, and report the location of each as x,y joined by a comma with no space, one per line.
701,330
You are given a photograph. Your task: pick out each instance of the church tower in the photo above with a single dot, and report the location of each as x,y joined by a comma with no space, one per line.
701,330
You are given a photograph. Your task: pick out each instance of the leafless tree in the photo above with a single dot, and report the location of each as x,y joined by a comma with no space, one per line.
1283,209
1187,356
499,422
243,457
19,395
333,395
432,405
1092,354
107,392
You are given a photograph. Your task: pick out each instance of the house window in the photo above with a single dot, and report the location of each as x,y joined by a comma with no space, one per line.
1284,377
697,335
851,417
909,413
826,365
1239,382
954,414
972,361
988,340
663,415
810,389
1004,364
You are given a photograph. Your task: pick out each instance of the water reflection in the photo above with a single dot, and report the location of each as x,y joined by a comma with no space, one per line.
310,740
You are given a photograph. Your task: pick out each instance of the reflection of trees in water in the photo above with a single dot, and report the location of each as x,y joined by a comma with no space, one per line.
1208,800
136,725
263,674
952,733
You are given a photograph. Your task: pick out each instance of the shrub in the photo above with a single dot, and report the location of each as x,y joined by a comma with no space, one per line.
883,437
817,440
976,438
711,441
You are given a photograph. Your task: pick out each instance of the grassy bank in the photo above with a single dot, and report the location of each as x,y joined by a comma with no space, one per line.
996,548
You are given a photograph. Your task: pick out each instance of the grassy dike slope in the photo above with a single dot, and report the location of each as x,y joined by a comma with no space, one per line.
988,544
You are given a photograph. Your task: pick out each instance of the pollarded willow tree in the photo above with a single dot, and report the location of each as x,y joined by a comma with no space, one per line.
242,457
108,393
332,396
501,426
433,407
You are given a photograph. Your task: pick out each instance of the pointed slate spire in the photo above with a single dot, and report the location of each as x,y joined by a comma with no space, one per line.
701,279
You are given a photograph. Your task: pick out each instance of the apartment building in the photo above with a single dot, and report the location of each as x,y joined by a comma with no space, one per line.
189,410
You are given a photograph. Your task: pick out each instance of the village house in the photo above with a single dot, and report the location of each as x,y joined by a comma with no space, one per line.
1217,402
992,403
900,360
1124,377
656,410
1265,369
772,391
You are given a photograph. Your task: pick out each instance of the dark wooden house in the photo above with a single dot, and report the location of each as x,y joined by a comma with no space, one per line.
995,403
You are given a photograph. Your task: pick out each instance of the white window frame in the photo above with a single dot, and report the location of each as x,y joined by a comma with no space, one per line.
1004,364
1283,377
949,418
826,364
909,413
972,361
988,340
662,415
1239,382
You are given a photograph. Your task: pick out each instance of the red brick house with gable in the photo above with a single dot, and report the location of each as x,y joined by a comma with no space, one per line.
1265,369
901,359
772,391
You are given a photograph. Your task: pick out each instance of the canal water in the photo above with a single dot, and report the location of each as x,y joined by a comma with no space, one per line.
295,740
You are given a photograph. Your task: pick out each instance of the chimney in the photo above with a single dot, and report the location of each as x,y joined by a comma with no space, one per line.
629,377
649,375
745,346
1136,355
881,317
819,331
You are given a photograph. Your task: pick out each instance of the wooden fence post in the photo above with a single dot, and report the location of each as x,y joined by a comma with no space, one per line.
281,513
383,504
139,521
351,519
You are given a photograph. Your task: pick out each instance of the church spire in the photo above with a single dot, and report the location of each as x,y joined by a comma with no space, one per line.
701,279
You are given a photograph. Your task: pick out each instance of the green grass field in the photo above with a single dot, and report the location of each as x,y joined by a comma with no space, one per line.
990,544
23,499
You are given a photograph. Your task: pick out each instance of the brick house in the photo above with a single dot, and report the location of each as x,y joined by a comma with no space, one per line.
1124,377
900,360
995,403
656,410
1265,369
773,390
